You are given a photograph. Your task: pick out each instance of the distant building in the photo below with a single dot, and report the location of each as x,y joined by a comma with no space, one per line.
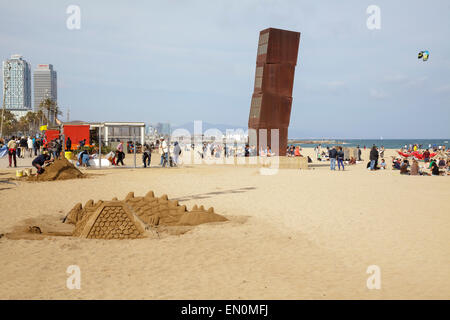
114,132
163,129
17,85
45,86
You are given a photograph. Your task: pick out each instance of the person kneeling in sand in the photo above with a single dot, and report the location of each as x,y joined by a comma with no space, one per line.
83,158
40,161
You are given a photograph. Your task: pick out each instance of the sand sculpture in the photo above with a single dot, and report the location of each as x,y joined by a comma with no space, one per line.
61,169
131,217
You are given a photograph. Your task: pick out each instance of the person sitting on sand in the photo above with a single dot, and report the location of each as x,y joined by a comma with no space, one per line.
441,163
40,161
352,160
414,168
432,161
297,151
404,167
383,164
396,164
426,155
435,169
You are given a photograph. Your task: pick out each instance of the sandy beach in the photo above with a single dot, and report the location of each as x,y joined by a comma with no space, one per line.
298,234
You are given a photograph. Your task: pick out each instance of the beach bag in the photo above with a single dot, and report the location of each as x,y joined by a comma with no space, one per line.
110,156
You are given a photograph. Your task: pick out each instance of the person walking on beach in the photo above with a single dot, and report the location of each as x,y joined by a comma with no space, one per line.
373,157
23,147
359,153
147,155
164,149
30,147
176,153
12,151
35,146
340,159
332,154
120,154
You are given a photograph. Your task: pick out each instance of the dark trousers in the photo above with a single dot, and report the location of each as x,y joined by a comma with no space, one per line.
120,158
11,156
146,158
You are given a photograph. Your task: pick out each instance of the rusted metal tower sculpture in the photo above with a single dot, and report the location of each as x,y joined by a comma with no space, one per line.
274,80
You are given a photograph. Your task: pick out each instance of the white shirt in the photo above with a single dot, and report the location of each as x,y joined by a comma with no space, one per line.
164,146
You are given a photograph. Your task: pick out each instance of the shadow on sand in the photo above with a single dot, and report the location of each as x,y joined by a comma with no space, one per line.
214,193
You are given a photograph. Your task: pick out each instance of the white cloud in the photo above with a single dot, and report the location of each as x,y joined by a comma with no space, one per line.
395,78
378,93
443,89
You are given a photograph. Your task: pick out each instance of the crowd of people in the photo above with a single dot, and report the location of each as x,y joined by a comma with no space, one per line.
170,155
21,148
36,147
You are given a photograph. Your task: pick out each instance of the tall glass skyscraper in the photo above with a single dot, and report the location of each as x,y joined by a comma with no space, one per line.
17,85
45,84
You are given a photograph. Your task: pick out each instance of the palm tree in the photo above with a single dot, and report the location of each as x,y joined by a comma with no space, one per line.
58,112
48,105
9,122
33,120
41,116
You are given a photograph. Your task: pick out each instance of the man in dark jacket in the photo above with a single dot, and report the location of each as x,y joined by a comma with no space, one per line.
373,157
40,161
68,144
333,155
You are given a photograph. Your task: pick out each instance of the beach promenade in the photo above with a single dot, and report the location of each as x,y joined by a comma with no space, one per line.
298,234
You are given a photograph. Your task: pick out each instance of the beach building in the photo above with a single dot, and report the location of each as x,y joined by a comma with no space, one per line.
17,85
114,132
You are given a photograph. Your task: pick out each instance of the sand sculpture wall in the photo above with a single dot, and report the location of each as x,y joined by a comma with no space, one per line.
131,217
274,80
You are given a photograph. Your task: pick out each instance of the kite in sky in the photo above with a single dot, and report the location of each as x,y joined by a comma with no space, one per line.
423,55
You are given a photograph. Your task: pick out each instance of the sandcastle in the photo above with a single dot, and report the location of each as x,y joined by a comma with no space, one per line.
132,217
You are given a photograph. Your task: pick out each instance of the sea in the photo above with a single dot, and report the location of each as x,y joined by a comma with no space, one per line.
387,143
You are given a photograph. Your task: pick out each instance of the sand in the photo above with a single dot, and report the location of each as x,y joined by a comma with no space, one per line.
298,234
60,169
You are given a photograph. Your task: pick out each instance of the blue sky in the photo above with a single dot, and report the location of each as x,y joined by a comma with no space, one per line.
180,61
